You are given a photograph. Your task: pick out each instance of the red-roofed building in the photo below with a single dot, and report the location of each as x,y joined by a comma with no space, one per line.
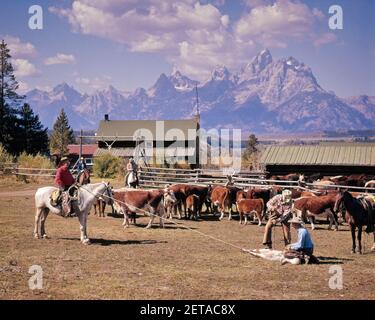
87,150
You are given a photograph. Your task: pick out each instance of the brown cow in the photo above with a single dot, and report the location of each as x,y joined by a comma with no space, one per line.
223,198
309,207
264,194
193,205
182,191
144,201
250,206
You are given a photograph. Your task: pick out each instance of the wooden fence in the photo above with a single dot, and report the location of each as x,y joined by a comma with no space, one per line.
152,177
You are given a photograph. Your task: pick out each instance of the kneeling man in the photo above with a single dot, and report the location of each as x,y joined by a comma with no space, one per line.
304,246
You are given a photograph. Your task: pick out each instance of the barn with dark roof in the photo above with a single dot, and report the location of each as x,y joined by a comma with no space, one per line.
177,139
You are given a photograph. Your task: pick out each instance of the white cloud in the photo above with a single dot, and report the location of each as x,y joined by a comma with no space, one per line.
60,58
274,24
324,39
19,49
256,3
95,83
194,36
24,68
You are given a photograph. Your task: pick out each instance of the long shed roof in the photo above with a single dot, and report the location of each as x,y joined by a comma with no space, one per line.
346,154
127,129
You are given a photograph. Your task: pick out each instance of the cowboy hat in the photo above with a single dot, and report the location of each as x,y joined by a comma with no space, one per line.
287,195
64,159
296,220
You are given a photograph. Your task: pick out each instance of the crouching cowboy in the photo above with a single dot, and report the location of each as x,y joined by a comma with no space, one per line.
280,208
64,180
304,247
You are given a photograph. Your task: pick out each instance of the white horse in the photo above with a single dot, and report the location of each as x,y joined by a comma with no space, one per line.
87,196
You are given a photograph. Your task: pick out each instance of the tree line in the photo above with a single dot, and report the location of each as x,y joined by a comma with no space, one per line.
20,128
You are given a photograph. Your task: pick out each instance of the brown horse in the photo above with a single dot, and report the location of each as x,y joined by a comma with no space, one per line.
359,212
311,206
83,177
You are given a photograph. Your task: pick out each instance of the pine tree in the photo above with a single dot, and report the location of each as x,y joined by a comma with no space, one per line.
9,99
31,136
250,155
252,144
61,136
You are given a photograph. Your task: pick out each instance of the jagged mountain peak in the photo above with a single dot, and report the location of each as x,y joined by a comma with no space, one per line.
265,96
63,87
220,73
181,82
257,64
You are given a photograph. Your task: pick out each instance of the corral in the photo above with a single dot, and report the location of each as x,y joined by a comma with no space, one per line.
169,263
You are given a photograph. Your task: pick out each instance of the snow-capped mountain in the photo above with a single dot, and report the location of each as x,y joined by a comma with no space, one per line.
264,96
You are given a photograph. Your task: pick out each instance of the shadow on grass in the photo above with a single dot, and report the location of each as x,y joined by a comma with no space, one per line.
109,242
332,260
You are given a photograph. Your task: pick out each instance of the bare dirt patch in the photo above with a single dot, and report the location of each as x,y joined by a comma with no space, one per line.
170,263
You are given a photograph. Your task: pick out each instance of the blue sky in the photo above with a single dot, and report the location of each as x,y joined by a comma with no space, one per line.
91,44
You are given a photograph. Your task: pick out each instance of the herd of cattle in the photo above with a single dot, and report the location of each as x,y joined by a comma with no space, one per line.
188,200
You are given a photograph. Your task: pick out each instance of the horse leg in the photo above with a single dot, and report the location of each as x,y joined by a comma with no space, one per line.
103,209
352,229
82,217
42,223
38,215
241,217
333,219
373,246
359,237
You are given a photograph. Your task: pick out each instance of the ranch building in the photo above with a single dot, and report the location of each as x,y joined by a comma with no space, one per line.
145,140
327,158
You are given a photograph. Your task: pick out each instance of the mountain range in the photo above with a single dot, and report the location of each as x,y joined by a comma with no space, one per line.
265,96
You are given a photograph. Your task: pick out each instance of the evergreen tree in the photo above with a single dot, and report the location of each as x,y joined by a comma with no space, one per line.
61,136
9,99
32,138
250,155
252,144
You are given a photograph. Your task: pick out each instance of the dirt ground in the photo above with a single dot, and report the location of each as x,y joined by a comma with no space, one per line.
169,263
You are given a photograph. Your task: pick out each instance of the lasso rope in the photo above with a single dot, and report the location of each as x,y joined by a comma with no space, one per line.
165,219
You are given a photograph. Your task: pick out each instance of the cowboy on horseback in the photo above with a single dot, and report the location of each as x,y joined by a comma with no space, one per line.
82,164
64,180
83,175
131,178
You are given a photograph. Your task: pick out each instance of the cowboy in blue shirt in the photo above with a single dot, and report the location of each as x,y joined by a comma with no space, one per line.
304,243
82,165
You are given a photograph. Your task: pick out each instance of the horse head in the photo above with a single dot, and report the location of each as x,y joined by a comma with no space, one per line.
339,201
106,194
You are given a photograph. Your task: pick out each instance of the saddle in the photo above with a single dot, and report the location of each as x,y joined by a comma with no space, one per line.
66,200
